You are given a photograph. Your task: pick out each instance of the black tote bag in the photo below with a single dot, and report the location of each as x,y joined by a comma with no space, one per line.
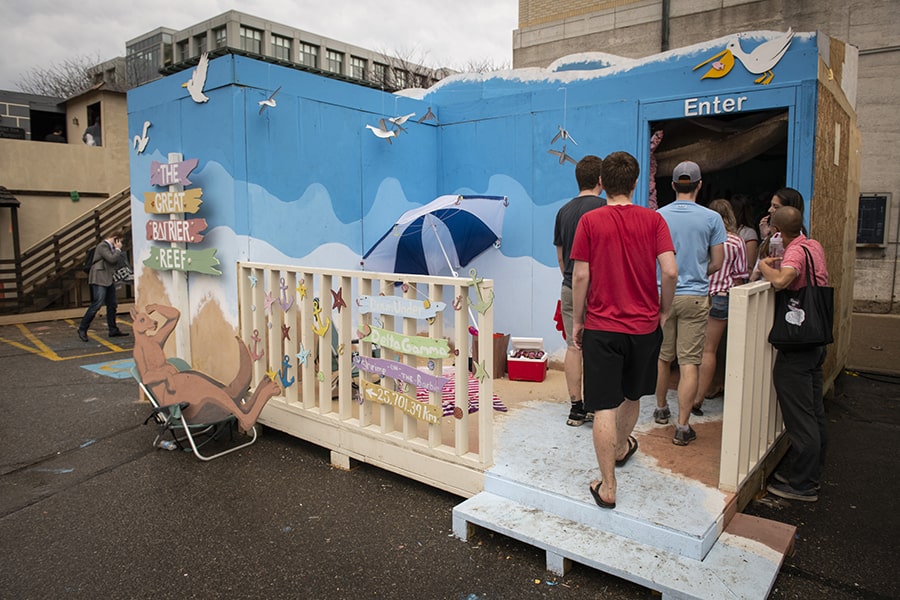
804,317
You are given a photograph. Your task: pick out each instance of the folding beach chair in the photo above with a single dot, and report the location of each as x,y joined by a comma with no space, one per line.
170,419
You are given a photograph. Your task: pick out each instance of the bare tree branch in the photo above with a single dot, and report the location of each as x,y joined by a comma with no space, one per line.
61,80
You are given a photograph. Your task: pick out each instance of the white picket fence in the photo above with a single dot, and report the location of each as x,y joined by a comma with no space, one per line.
322,403
308,323
751,423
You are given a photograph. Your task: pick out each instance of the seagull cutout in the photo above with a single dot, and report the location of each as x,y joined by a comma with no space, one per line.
268,102
563,157
563,135
398,121
382,131
141,141
195,84
429,116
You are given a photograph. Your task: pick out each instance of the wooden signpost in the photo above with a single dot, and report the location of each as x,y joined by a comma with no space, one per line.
178,231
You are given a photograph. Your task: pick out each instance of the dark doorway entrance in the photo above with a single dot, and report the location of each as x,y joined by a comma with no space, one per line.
738,154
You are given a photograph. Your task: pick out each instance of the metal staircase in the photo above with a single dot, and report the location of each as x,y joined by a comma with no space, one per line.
49,274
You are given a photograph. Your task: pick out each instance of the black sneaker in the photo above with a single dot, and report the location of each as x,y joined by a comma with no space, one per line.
784,490
577,415
662,415
682,437
82,335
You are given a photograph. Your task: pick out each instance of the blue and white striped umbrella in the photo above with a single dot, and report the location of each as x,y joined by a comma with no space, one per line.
440,237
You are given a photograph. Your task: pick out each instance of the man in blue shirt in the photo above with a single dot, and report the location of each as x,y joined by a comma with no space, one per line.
699,237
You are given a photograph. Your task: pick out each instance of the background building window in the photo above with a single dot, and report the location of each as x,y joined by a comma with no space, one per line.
357,67
401,78
379,72
251,40
334,61
221,37
183,50
309,55
281,47
200,41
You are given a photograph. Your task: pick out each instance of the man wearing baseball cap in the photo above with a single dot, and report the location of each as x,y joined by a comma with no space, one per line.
698,234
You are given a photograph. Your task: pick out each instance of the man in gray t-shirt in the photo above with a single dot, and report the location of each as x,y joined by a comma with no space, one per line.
588,173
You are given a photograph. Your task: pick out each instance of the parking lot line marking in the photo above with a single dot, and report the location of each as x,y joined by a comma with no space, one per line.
100,340
41,349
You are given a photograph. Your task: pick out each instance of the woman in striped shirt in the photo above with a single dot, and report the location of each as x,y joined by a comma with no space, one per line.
733,272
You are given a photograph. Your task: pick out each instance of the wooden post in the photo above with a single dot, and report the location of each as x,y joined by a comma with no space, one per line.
180,289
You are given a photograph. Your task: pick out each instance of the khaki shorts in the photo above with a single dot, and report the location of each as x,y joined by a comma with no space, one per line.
565,301
685,330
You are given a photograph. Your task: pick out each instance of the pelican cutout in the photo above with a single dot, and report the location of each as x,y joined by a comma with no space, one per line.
760,61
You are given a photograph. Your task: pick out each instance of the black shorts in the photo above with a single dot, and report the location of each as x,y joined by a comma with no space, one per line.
618,366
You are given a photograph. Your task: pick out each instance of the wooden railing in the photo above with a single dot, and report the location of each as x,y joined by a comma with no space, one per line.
751,423
311,324
56,258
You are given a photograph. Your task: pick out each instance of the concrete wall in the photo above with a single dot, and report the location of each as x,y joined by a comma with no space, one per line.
550,30
44,174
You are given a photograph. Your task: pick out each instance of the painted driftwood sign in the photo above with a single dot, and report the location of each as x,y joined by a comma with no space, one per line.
181,259
419,410
164,174
409,344
164,203
400,307
176,231
404,373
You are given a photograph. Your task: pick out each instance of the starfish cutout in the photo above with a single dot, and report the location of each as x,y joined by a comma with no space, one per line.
338,298
285,332
481,371
269,301
271,374
302,356
253,280
301,289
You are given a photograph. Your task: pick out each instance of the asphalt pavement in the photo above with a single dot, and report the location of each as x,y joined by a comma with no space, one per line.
88,509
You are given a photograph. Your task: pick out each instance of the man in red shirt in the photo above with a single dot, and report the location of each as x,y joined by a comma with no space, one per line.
797,374
617,311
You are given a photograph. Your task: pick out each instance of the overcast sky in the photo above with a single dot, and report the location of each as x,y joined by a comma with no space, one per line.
439,33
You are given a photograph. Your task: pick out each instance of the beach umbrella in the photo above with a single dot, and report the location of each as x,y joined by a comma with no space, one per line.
439,237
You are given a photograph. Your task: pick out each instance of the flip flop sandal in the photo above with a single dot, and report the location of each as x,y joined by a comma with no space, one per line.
632,448
595,492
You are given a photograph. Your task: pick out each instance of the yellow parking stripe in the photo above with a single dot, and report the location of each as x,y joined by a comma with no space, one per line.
39,348
99,339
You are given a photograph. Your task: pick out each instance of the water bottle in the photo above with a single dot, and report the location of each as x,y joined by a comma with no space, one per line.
167,445
776,246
